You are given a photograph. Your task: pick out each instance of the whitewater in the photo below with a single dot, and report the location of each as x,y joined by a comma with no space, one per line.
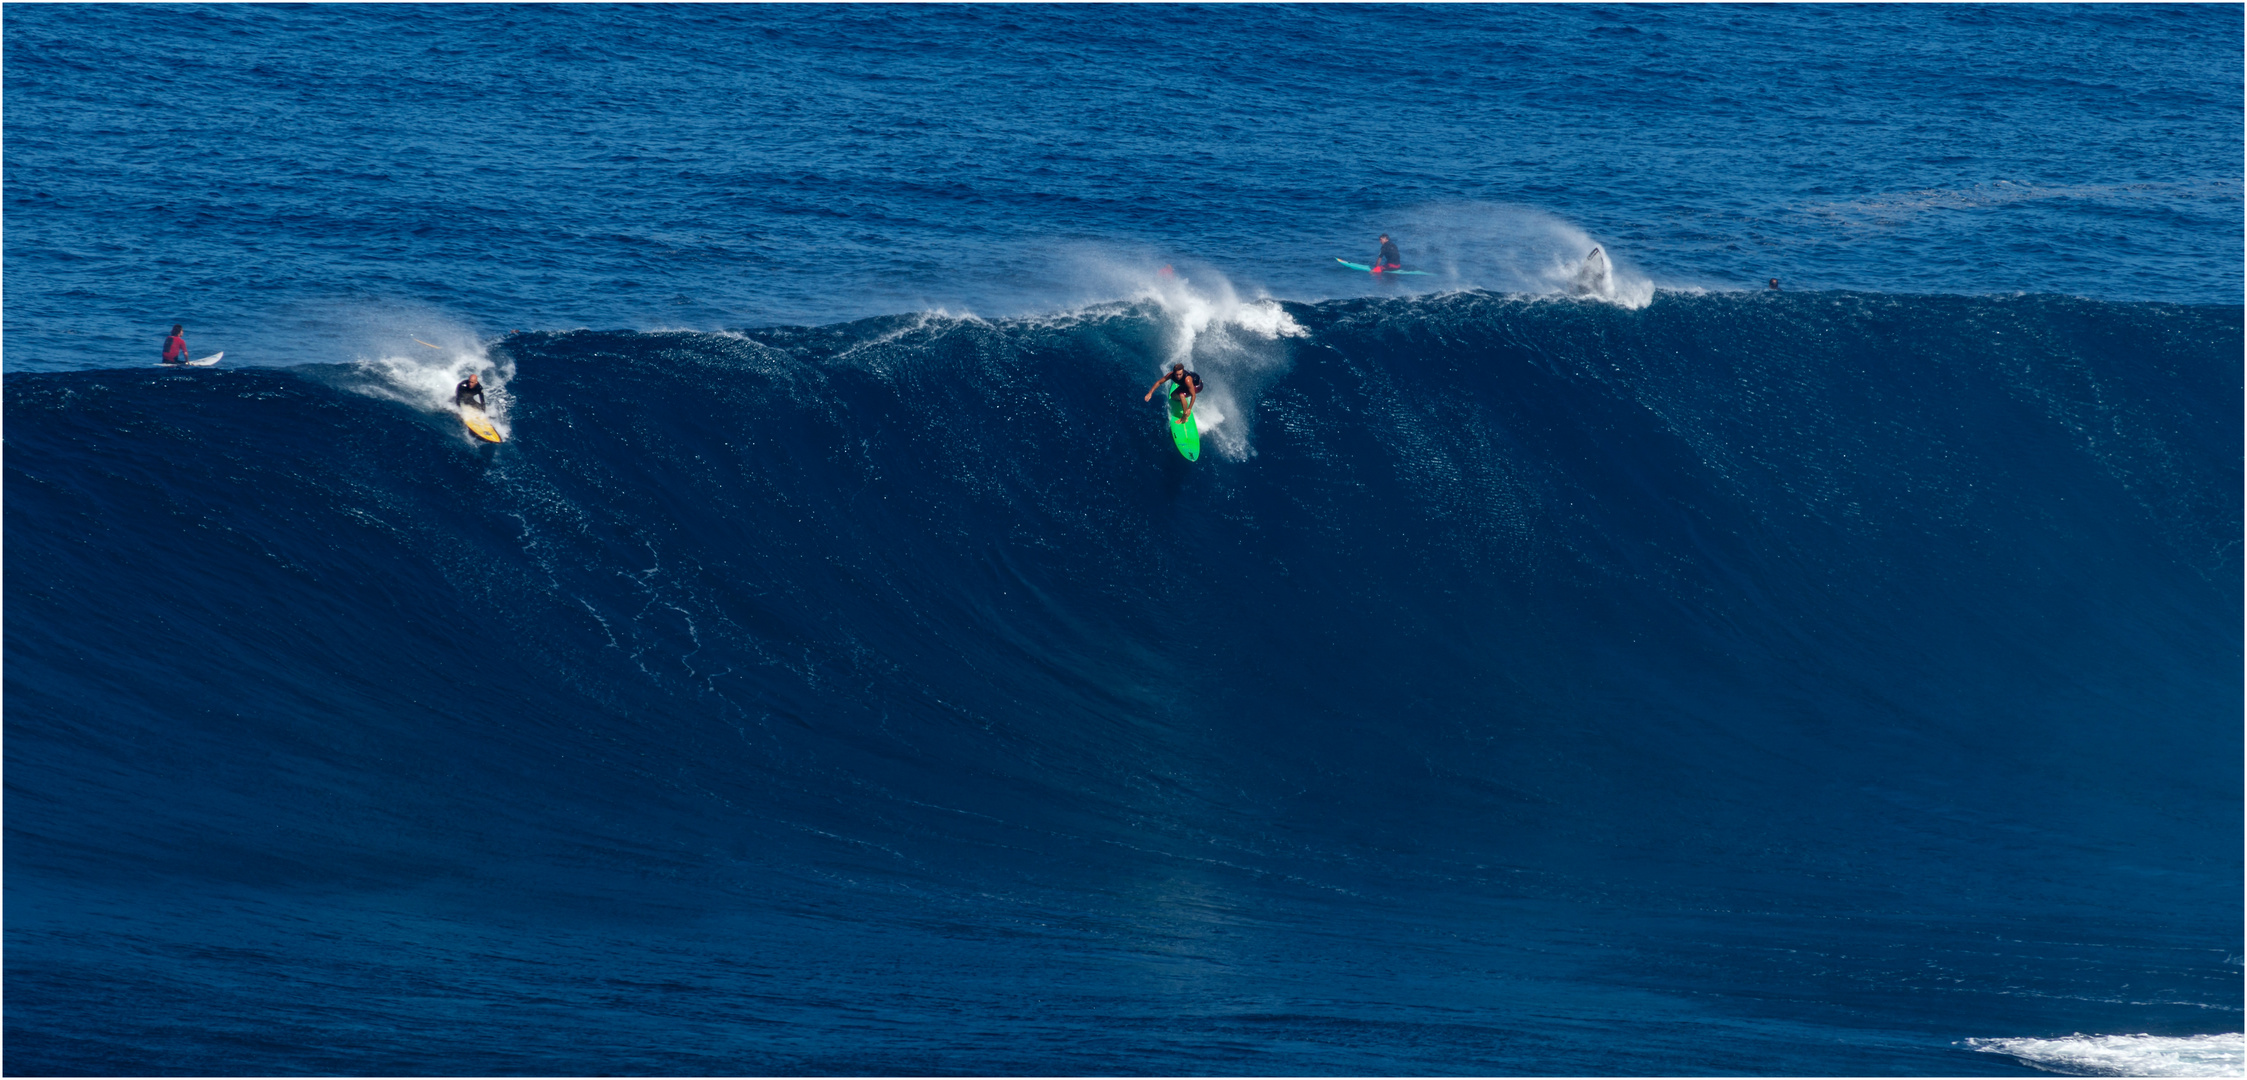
1555,665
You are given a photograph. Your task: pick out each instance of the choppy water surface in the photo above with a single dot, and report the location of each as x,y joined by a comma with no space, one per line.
295,181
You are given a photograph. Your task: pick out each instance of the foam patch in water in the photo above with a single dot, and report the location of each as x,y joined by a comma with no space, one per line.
425,376
2127,1055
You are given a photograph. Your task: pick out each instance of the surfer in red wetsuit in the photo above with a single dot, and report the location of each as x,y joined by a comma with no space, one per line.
1390,258
175,346
1189,385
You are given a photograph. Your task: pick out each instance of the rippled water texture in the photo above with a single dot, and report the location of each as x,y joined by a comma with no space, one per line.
292,182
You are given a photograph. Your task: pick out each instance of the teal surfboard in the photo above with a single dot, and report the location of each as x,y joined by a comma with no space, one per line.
1363,268
1186,433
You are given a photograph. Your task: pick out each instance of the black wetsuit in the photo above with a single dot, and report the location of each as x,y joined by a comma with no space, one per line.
465,394
1389,254
1180,378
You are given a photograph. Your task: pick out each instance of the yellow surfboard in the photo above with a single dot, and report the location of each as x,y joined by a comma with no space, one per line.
479,424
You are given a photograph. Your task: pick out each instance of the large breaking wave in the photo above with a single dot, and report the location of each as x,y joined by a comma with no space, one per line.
1744,653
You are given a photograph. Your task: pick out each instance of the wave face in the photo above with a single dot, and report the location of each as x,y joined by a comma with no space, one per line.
1795,683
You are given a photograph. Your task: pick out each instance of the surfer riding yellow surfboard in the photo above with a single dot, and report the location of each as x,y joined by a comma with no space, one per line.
468,397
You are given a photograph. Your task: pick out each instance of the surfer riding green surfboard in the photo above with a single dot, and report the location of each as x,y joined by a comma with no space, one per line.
1185,387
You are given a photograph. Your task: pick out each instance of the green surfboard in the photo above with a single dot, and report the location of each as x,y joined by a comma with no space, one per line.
1367,268
1186,433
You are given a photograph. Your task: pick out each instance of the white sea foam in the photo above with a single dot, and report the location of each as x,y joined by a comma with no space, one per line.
2127,1055
1517,249
420,367
1234,343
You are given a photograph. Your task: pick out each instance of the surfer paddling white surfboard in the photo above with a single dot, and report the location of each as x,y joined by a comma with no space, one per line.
175,351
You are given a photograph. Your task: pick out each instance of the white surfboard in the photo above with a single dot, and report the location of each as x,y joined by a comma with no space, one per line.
206,361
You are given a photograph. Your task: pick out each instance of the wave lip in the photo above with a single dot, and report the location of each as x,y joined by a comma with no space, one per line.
2127,1055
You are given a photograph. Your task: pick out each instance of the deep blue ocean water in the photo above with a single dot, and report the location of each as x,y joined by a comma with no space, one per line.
838,672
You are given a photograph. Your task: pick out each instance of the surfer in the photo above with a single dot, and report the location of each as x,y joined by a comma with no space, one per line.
1592,276
1189,385
175,346
1390,258
1774,285
469,392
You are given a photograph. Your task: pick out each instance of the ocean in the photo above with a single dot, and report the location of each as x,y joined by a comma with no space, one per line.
1553,665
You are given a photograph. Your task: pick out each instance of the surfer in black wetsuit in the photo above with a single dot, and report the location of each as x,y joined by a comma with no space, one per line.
1390,258
469,392
1189,386
1774,285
